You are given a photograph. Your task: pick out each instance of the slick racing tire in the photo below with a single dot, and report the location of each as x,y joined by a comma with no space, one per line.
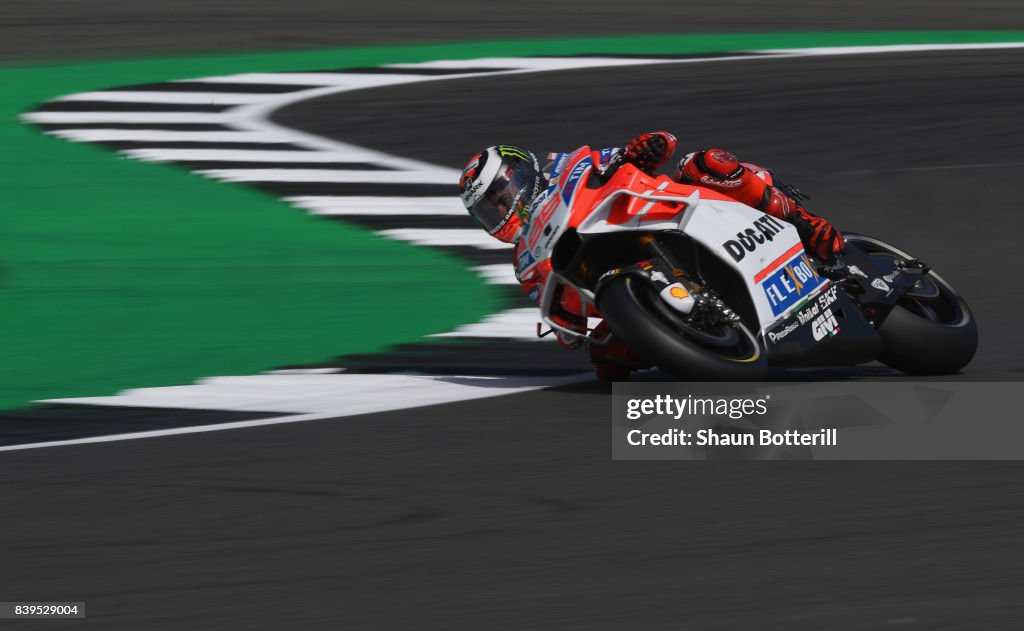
638,316
931,331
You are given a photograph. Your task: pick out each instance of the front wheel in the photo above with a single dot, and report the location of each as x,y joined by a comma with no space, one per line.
639,317
931,331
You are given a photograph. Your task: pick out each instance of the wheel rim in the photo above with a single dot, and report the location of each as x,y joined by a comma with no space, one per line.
730,342
934,300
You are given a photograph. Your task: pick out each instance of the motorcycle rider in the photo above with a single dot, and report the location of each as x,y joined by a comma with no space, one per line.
499,185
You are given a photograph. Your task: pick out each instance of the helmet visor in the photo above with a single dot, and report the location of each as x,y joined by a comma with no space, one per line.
505,196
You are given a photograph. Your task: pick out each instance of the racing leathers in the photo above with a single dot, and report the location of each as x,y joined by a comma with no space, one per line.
751,185
713,168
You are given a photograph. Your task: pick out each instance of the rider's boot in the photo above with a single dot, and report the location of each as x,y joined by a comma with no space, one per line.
819,237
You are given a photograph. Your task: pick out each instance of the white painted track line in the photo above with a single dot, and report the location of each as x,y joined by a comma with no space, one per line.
325,396
540,64
320,79
328,394
888,48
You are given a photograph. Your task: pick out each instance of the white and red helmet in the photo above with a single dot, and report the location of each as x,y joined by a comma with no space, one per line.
497,187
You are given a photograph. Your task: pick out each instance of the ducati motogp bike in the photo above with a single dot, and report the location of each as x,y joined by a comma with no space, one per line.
707,288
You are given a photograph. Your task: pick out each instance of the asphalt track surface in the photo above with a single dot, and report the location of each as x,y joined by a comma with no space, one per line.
508,512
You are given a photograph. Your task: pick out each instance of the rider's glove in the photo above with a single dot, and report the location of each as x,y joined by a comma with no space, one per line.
650,151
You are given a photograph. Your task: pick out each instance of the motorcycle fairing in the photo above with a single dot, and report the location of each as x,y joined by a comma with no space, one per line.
827,329
773,265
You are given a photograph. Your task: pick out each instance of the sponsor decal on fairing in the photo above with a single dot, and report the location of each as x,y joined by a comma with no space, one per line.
791,282
539,220
856,271
574,178
678,297
525,260
556,169
810,313
775,336
825,299
762,230
825,324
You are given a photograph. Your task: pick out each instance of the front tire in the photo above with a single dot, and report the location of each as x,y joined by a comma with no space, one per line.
931,331
731,353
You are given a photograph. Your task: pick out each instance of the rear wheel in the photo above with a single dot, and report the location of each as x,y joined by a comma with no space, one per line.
931,331
717,351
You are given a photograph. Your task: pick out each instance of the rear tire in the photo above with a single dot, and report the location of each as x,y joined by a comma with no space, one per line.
626,303
930,331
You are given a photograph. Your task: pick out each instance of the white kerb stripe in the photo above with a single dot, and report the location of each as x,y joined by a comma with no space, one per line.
164,135
248,155
178,98
70,118
516,324
471,237
498,274
382,206
339,176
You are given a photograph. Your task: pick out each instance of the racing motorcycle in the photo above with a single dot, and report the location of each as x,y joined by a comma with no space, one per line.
707,288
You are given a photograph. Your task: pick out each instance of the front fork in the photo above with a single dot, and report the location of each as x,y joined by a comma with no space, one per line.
675,286
663,272
659,270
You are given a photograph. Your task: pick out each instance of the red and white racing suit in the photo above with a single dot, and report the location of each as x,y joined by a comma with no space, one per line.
716,169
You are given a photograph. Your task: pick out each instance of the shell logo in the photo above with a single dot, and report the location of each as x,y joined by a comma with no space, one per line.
678,292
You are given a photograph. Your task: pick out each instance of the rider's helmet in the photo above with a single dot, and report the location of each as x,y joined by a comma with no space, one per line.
498,186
